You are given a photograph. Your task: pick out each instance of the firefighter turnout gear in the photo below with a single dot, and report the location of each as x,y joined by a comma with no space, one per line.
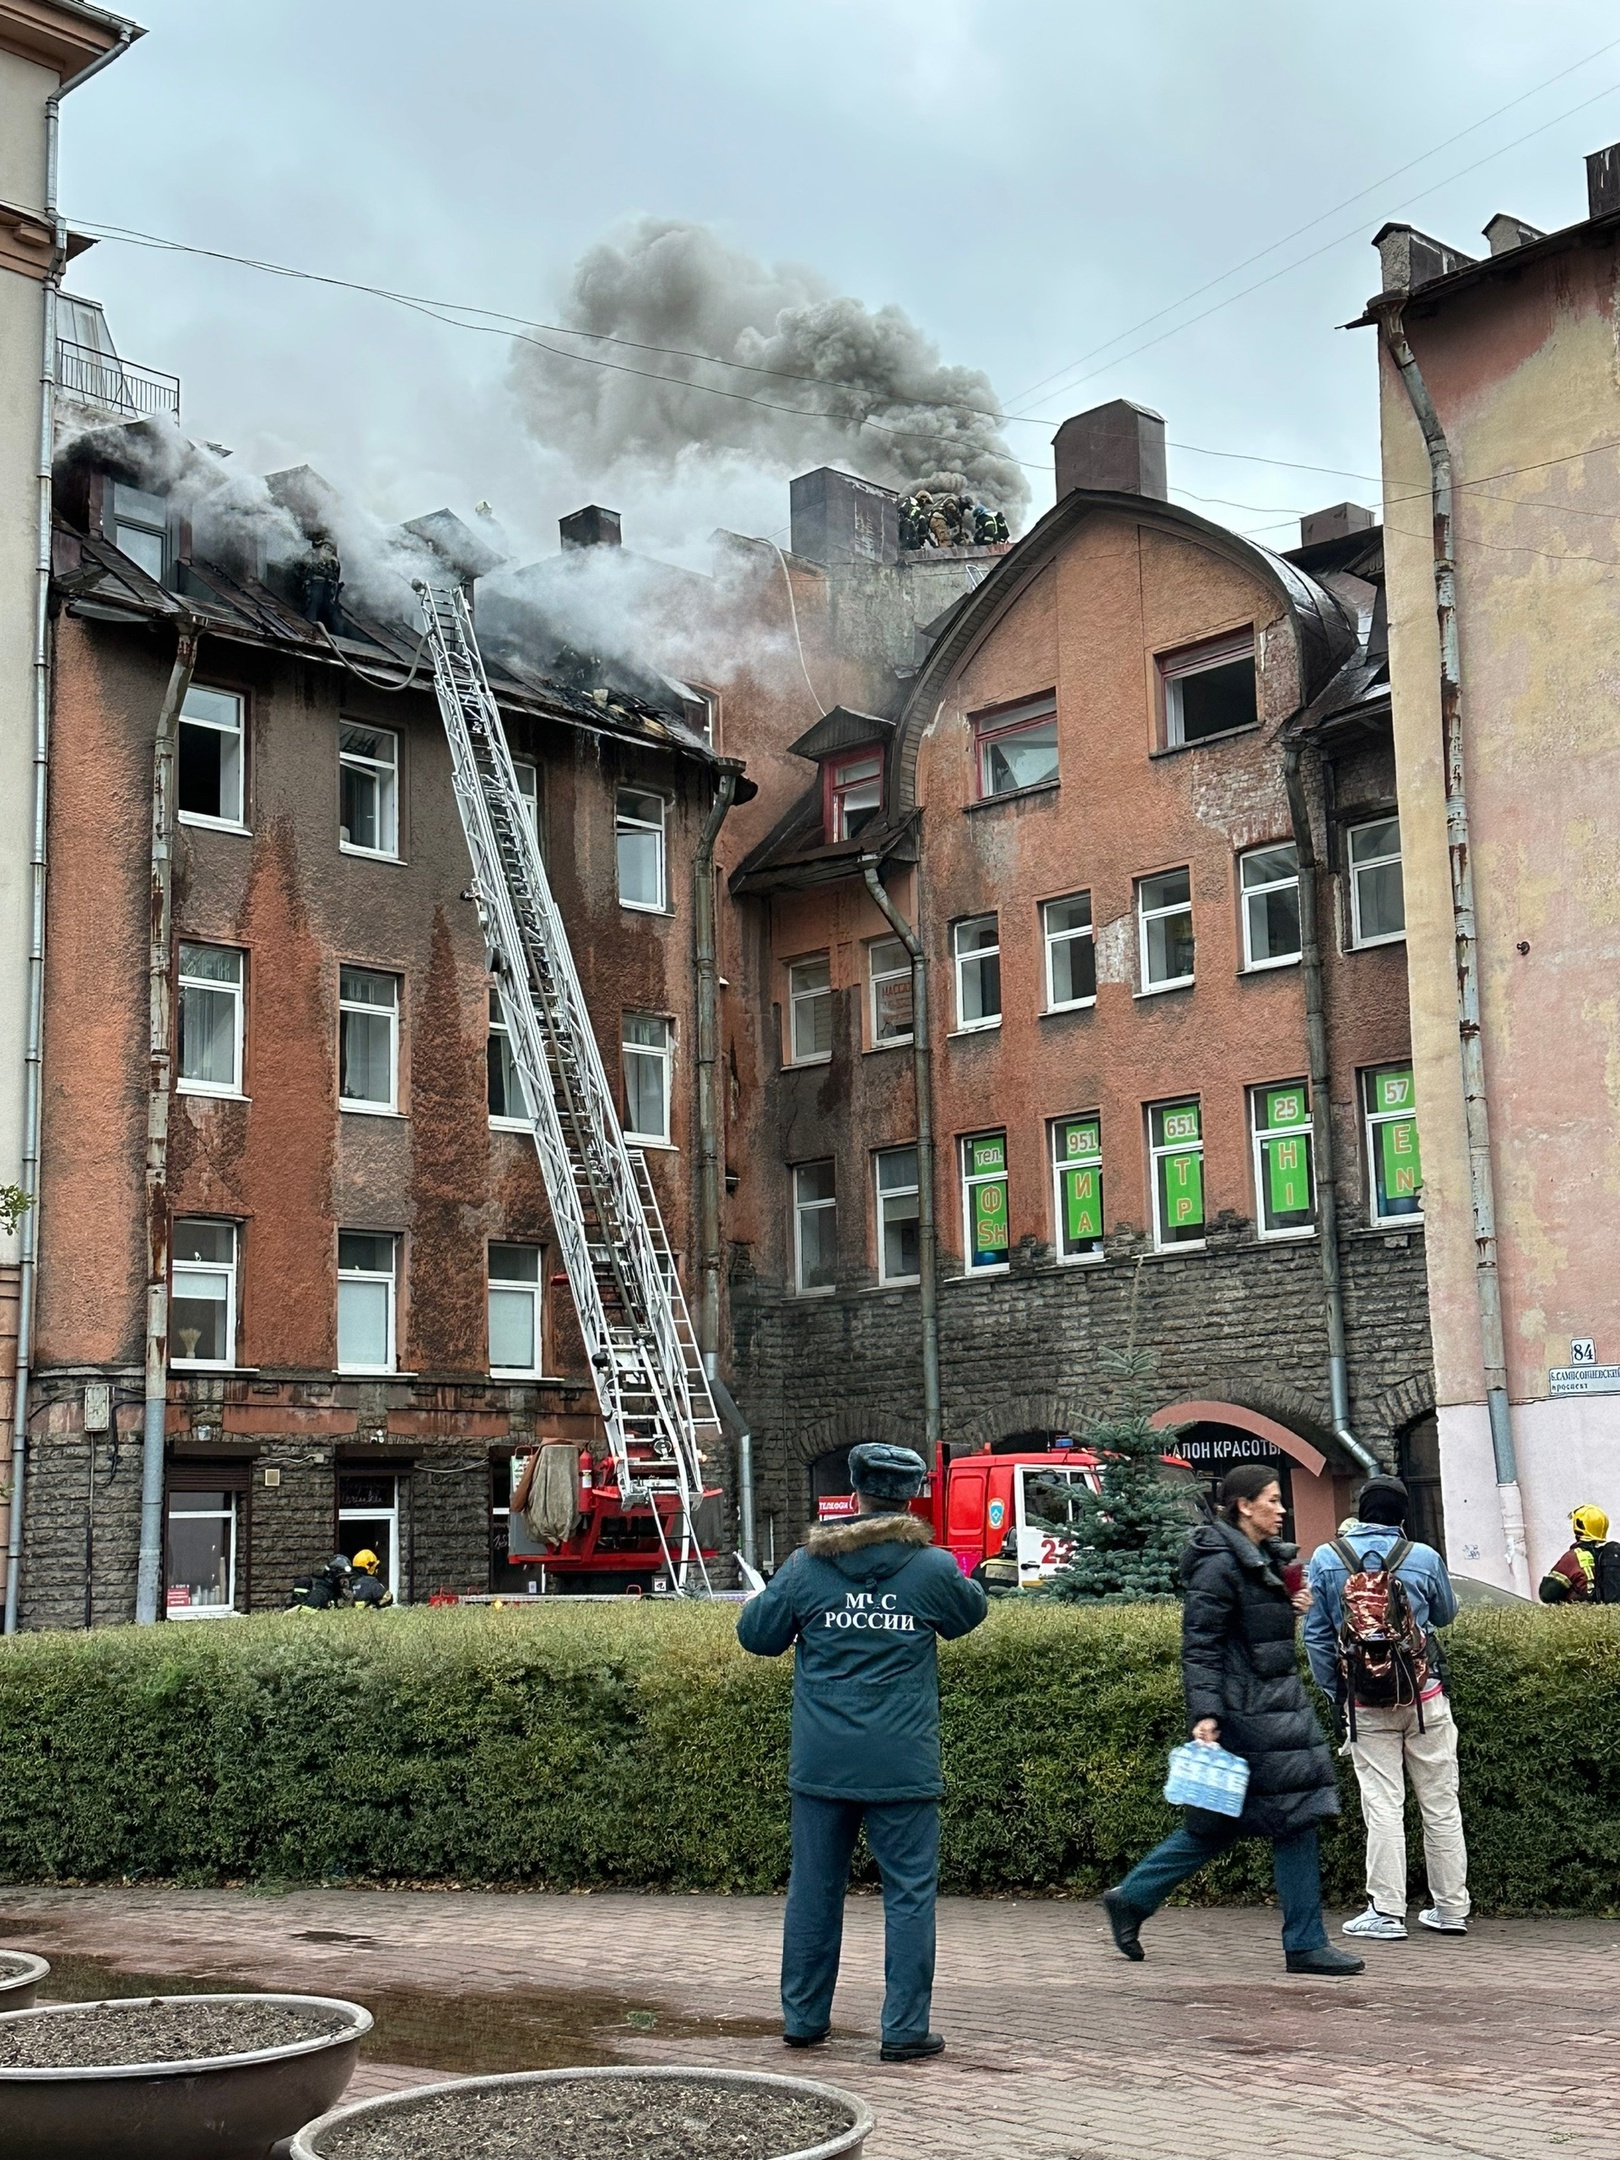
1589,1573
328,1586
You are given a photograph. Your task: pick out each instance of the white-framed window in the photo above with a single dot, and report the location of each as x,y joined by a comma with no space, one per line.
984,1202
368,1521
368,784
1377,894
647,1058
1209,690
898,1215
976,947
368,1040
810,1011
202,1295
815,1226
527,775
1164,919
1071,953
200,1554
515,1336
1269,881
1176,1151
508,1106
366,1323
1284,1175
141,528
209,1048
209,777
1017,750
854,791
888,971
1394,1161
1077,1187
639,820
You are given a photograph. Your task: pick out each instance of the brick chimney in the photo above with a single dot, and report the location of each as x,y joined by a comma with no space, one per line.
1119,447
591,527
1603,181
1408,258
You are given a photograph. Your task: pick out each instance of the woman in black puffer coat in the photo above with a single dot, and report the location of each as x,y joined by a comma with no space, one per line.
1241,1672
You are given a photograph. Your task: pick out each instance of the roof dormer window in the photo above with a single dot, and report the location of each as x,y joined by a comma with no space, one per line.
854,784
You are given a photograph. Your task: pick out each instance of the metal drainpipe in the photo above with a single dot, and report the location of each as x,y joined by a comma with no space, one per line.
1481,1182
1316,1040
27,1272
927,1242
149,1572
706,969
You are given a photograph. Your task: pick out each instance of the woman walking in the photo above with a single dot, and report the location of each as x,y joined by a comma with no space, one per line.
1241,1674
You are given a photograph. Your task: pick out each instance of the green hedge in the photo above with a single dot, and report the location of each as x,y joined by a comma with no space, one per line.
635,1746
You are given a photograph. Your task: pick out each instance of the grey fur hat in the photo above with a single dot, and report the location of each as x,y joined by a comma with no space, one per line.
885,1472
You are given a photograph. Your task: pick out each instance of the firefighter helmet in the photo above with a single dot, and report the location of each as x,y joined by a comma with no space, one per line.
366,1560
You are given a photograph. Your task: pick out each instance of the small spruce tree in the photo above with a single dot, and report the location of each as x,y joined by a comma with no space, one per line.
1128,1537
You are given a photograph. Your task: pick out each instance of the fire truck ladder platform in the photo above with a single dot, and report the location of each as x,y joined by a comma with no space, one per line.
651,1388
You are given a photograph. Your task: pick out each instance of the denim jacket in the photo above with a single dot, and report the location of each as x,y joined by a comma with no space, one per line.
1423,1572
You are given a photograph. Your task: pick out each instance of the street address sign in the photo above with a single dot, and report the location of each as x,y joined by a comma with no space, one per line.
1584,1380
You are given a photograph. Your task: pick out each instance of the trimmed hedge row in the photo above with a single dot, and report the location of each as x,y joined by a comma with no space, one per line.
635,1746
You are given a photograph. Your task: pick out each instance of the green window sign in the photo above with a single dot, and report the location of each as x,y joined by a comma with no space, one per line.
1394,1090
1285,1186
985,1178
989,1154
1284,1106
1183,1185
1402,1164
1077,1158
1082,1206
1392,1144
1175,1138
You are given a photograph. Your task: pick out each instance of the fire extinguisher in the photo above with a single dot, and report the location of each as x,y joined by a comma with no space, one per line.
585,1477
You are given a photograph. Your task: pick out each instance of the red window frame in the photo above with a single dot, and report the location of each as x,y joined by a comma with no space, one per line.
836,777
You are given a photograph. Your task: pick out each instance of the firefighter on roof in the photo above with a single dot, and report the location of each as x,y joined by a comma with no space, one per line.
866,1602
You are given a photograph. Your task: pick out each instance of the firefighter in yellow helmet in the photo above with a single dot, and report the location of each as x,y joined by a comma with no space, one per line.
369,1587
1589,1573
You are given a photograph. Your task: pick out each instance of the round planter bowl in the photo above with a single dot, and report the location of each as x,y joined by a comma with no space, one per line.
313,2141
20,1976
219,2107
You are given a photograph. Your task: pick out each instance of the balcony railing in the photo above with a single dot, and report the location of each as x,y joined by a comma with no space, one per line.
115,386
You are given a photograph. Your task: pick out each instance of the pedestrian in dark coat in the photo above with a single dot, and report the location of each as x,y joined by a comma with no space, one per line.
865,1601
1241,1673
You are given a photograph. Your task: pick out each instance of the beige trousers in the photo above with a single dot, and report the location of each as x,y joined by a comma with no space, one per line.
1388,1749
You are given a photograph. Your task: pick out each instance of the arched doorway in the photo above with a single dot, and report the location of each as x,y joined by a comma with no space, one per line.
831,1494
1219,1435
1417,1464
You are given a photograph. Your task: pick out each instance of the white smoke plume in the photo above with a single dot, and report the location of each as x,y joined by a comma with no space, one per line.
876,397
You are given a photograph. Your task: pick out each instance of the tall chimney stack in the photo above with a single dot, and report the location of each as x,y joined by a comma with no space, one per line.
1118,447
1603,181
591,527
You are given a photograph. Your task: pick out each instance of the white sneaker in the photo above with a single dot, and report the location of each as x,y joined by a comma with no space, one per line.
1375,1926
1437,1920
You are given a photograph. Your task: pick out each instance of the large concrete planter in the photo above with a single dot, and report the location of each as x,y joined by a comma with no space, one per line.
20,1976
314,2140
220,2107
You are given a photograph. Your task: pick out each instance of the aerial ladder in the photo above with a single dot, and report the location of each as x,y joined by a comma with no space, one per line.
651,1387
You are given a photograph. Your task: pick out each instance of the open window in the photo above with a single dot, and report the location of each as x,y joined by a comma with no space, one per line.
854,791
1017,748
210,758
1209,690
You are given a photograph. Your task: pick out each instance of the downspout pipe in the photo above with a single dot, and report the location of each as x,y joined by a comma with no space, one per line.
160,1018
1481,1179
1316,1043
706,969
34,1024
927,1237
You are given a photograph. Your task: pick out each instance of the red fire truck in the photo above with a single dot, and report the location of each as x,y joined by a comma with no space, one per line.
998,1507
610,1547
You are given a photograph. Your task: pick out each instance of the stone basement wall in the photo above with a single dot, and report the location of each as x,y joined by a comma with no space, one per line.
1240,1322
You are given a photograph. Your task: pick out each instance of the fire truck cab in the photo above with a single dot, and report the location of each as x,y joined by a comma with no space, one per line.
1015,1507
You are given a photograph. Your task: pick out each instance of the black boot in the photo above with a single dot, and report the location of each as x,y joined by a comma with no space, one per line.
1126,1923
912,2050
1327,1962
804,2040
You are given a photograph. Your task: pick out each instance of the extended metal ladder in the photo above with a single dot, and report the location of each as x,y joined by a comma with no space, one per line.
650,1383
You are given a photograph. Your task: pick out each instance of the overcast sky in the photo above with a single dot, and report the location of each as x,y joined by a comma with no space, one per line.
1027,179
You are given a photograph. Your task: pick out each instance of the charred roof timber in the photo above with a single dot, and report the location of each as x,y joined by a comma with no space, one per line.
591,527
1117,447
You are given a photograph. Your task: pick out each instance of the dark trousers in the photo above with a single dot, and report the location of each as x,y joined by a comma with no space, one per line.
1295,1862
904,1839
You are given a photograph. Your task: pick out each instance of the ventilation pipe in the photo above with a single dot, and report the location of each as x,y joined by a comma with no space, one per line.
1481,1184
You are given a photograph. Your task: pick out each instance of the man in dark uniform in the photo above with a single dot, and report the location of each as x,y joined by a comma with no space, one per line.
866,1601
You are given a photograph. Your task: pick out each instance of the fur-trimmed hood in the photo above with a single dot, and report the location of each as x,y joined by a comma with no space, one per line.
859,1533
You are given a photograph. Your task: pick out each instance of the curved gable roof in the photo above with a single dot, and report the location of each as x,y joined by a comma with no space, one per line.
1324,632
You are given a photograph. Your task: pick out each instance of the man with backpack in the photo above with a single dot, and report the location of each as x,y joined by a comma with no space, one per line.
1377,1598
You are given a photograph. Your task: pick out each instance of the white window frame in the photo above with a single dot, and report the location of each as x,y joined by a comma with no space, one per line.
1247,893
1182,1145
1146,915
359,1105
141,514
231,1514
527,774
1174,670
208,986
372,1275
1062,1161
181,1270
201,718
1052,939
1372,1121
384,772
886,1193
665,1054
798,997
624,823
990,729
1302,1129
500,1029
815,1206
971,1179
511,1286
1354,869
354,1513
875,976
961,960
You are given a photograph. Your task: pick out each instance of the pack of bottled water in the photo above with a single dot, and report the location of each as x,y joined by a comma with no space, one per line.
1207,1777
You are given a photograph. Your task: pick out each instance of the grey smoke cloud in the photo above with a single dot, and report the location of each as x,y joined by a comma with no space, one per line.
669,283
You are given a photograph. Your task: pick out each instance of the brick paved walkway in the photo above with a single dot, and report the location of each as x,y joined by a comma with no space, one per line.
1499,2047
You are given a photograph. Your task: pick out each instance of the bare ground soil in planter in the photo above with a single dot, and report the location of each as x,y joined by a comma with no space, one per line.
10,1963
596,2119
100,2035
